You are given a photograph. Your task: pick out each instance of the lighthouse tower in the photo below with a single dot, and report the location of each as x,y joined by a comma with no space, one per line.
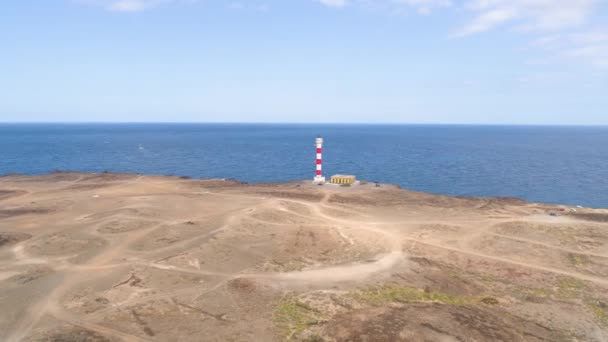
319,174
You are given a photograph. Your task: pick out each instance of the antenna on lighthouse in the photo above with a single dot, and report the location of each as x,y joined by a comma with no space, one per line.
319,172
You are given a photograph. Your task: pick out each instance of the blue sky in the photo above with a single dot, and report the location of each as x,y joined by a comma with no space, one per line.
376,61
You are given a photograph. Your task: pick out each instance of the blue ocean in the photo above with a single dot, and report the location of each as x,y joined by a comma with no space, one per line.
567,165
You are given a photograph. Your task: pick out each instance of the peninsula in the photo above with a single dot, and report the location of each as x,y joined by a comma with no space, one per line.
122,257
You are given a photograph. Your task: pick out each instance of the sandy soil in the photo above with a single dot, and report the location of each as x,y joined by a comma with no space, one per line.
111,257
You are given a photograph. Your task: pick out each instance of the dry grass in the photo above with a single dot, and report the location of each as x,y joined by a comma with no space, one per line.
600,311
293,316
400,294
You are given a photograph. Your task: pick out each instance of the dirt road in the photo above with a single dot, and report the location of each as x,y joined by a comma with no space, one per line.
107,257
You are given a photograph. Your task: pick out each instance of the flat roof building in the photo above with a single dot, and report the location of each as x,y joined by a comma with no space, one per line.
343,179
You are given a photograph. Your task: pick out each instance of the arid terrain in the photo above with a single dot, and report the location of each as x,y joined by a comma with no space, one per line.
112,257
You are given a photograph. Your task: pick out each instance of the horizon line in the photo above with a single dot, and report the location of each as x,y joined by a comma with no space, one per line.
298,123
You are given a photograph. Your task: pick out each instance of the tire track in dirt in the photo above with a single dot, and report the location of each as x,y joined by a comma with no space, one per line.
539,243
22,327
597,280
349,272
66,317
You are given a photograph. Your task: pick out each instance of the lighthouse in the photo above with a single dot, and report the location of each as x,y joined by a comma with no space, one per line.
319,172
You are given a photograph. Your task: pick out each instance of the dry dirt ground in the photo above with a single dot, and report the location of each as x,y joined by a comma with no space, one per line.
110,257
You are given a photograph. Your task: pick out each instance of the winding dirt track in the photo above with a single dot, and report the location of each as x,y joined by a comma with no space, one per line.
50,304
176,203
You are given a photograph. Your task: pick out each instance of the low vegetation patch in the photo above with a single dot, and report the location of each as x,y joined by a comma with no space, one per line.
401,294
564,288
577,259
570,287
534,293
489,300
292,316
600,310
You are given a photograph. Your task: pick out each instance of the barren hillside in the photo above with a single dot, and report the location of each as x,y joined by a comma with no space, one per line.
110,257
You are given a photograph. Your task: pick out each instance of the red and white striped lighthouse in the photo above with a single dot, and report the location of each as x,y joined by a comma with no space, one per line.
319,174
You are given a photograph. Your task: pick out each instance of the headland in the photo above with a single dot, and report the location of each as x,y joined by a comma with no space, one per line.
124,257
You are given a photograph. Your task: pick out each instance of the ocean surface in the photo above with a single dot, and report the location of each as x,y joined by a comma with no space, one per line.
566,165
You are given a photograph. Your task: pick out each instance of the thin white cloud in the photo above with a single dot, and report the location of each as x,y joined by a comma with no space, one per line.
595,54
528,15
590,37
590,46
131,5
424,7
551,18
537,15
487,21
334,3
